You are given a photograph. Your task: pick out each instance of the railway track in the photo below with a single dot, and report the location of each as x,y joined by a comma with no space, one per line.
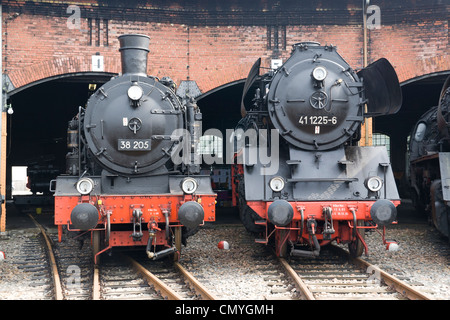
32,262
65,272
128,278
247,271
68,267
75,277
334,275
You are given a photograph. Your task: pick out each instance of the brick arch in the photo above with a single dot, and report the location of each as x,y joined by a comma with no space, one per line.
206,81
213,80
417,68
49,69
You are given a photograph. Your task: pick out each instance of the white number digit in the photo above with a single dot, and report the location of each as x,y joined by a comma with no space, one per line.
334,120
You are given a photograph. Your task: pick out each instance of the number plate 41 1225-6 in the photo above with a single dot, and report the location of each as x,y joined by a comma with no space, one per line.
134,144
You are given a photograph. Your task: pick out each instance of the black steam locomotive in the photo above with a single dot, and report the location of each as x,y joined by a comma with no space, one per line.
121,186
429,156
321,186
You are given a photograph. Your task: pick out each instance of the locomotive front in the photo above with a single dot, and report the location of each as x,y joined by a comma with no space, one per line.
120,184
315,99
325,187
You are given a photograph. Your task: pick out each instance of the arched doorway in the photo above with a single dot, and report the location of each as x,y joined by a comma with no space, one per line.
419,94
36,132
221,110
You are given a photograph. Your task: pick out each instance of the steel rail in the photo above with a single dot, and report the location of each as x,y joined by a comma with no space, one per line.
55,273
152,280
96,284
297,280
398,285
392,281
197,286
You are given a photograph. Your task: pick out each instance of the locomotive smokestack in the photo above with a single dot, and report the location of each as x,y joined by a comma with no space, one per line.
134,51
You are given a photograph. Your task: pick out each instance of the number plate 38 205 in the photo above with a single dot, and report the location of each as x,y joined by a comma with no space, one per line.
134,144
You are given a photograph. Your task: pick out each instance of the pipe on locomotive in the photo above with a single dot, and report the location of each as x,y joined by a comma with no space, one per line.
133,52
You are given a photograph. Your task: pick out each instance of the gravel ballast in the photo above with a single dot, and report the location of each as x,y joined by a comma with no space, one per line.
241,273
422,259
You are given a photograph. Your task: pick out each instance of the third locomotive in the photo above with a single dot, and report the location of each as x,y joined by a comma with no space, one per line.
429,156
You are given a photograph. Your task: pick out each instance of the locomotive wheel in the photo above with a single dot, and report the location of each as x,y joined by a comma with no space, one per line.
440,214
248,218
356,247
247,215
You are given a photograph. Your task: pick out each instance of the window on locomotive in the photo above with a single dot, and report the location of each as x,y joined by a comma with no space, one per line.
379,139
420,132
211,145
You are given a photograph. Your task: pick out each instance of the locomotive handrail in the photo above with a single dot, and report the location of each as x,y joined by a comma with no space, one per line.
293,162
52,186
323,180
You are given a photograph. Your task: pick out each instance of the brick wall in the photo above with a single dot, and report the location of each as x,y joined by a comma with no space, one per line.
413,48
222,42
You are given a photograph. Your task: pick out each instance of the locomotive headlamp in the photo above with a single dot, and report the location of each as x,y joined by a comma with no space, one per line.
85,186
189,185
319,73
135,92
374,183
276,184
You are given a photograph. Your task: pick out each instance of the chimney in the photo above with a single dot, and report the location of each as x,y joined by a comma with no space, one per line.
134,51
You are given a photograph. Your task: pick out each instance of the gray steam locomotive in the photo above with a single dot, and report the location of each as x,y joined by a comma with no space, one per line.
429,156
314,184
121,185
